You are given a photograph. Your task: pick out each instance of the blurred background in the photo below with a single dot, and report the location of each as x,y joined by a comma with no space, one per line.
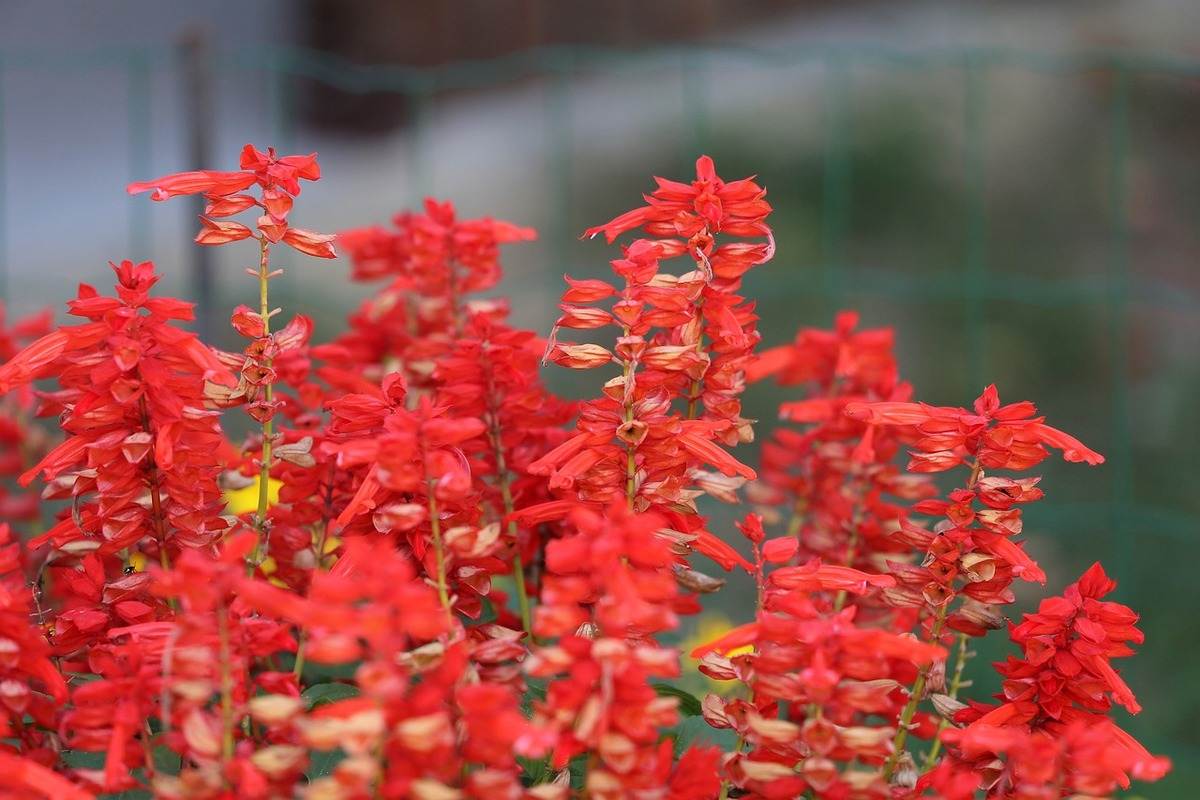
1015,186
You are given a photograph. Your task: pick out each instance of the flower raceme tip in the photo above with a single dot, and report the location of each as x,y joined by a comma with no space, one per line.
278,179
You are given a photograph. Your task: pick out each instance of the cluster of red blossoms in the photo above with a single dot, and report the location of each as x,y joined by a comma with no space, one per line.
449,583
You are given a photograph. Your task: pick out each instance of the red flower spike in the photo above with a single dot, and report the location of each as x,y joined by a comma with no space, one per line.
492,584
278,178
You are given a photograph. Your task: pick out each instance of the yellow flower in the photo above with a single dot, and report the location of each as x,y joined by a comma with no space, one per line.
711,626
241,501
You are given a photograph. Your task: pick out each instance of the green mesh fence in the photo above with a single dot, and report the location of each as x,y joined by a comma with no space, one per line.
1142,537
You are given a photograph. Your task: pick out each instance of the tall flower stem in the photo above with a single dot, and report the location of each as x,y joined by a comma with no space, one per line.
628,372
226,684
320,537
518,565
918,688
696,389
956,685
268,425
156,505
439,555
504,480
914,699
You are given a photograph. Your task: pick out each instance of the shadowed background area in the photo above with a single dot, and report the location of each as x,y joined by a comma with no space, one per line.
1013,186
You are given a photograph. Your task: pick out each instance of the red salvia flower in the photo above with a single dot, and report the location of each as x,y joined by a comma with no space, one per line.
278,179
356,636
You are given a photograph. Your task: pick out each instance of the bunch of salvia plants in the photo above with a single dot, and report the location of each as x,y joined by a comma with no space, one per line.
450,583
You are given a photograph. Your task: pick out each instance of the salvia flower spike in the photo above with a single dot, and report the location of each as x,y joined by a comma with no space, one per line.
472,588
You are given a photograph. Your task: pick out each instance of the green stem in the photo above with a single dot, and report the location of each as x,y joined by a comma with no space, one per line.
322,532
956,684
156,506
629,371
268,426
504,478
439,554
918,689
226,684
851,553
914,698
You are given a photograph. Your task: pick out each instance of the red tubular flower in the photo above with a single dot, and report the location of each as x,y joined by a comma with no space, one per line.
631,443
683,210
417,485
1001,437
1051,722
21,443
713,331
278,178
132,401
355,637
435,261
599,699
33,688
832,479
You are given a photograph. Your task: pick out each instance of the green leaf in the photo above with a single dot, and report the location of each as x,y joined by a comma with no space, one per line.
535,692
166,761
578,769
689,705
323,762
696,731
534,770
325,693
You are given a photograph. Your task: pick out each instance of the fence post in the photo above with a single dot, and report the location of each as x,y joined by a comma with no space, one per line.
694,97
1118,323
835,191
557,107
196,66
3,194
421,178
975,88
139,123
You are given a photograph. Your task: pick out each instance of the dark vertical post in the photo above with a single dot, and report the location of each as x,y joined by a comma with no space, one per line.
139,126
1118,322
975,91
196,65
695,109
420,98
557,105
281,99
3,197
835,190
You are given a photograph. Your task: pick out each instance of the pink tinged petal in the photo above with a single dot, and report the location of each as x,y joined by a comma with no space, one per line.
197,182
713,454
889,413
214,232
738,637
1072,449
319,245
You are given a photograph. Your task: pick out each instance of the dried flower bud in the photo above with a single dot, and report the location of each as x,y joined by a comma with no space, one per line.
935,681
696,581
983,614
947,706
905,775
298,453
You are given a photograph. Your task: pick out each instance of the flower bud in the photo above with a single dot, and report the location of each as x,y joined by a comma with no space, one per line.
947,706
695,581
905,775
